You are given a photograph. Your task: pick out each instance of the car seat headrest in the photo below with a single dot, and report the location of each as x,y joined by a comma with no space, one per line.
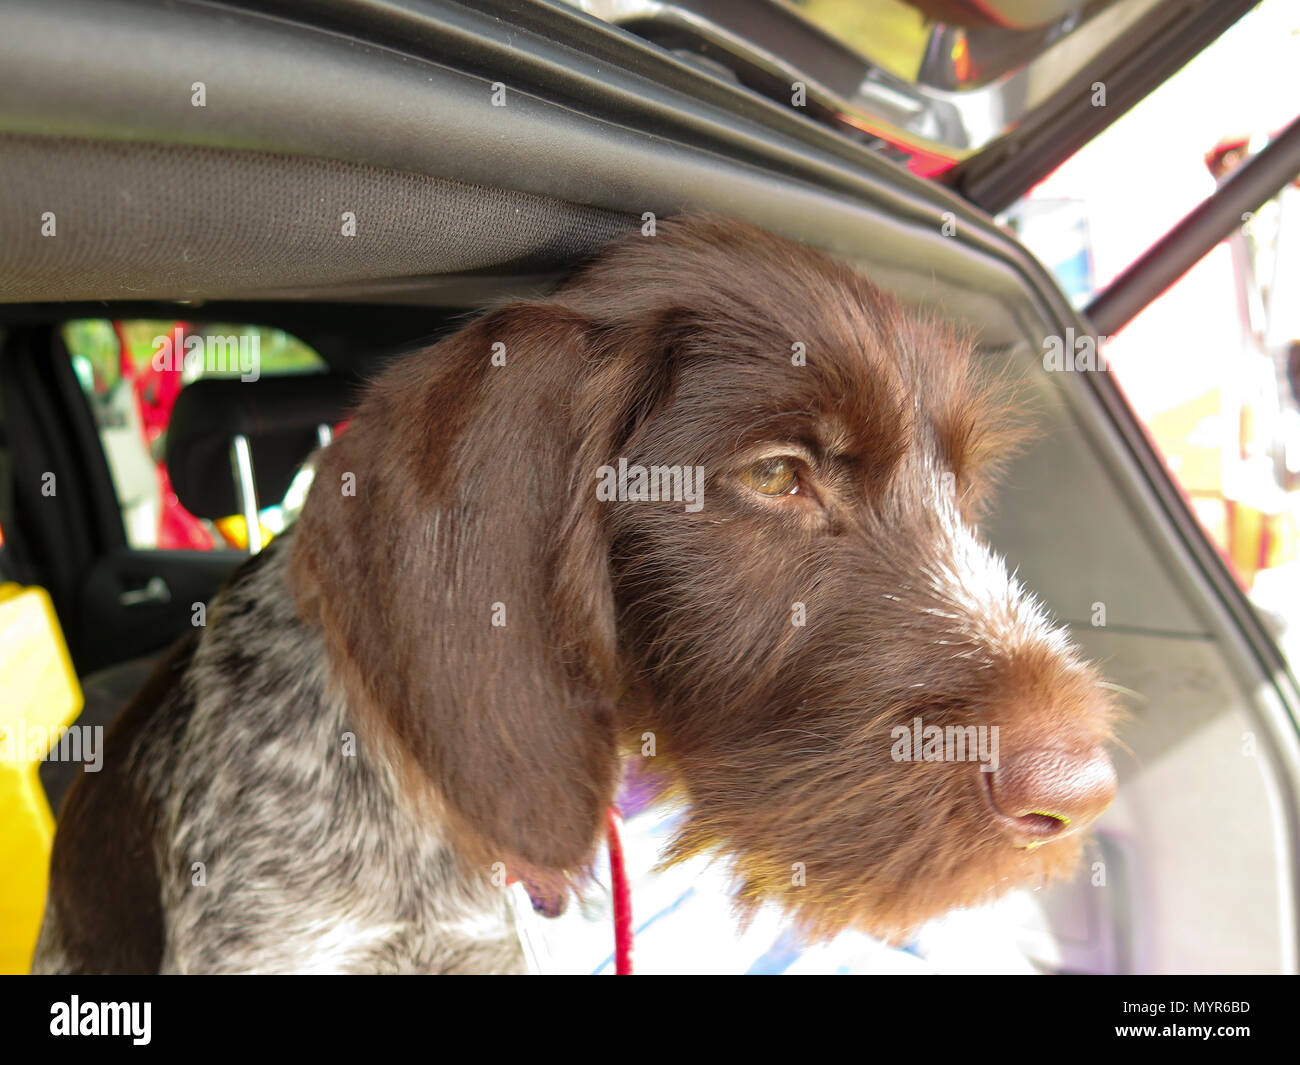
278,417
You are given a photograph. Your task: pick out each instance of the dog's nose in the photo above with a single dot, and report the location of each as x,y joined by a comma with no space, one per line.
1043,794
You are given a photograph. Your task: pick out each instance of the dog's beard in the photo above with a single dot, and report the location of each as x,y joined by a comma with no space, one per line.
777,742
801,839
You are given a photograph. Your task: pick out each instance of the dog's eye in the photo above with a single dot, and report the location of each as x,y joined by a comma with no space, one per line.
772,477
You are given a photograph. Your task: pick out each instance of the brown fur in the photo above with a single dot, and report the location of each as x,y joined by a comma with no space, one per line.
475,485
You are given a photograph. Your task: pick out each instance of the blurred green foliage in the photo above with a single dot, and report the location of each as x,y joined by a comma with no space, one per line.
93,346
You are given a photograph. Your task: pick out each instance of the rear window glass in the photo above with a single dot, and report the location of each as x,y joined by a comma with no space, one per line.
131,372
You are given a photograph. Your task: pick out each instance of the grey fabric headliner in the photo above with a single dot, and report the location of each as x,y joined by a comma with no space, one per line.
150,221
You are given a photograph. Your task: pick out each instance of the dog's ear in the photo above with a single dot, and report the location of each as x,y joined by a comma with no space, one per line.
452,551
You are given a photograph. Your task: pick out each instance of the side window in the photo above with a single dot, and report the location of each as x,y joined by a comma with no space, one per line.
131,373
1212,366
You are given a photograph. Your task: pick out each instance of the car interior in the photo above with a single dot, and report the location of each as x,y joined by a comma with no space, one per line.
232,212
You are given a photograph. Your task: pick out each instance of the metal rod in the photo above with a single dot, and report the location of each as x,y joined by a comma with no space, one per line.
241,460
1258,181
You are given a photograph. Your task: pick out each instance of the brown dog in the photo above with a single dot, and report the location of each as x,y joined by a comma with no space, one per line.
713,498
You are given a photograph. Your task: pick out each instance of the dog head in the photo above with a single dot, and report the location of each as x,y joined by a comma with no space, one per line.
720,490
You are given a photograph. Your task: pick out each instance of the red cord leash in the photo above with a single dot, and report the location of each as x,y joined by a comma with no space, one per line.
622,895
553,906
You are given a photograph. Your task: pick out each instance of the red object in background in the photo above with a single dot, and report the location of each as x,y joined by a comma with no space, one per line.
961,65
155,393
920,162
1230,152
177,527
155,390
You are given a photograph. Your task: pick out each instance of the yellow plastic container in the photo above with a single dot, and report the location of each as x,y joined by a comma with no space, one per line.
39,697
